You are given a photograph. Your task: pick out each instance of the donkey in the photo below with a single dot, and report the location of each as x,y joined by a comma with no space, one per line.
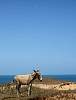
26,80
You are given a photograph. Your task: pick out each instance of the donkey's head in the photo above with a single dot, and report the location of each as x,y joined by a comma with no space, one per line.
37,74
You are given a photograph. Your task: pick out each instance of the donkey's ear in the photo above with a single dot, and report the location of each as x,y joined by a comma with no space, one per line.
37,70
34,71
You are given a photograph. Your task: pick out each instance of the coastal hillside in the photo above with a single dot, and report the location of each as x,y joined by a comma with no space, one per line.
48,89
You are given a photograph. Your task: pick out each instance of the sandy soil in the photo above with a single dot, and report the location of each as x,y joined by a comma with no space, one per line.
63,86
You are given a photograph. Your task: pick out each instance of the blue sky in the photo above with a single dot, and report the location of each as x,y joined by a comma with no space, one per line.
38,32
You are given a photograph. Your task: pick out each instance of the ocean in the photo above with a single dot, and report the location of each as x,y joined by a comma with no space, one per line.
71,78
8,78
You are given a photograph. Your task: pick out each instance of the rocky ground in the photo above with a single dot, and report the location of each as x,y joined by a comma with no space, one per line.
48,89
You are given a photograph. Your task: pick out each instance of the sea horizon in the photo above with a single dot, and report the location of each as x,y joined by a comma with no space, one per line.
8,78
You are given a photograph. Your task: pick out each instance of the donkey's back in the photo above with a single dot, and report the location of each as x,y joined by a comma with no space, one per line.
22,79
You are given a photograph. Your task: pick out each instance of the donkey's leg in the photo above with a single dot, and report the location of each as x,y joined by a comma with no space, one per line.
18,89
29,89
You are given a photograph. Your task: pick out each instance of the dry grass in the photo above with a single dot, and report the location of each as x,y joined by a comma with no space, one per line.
38,94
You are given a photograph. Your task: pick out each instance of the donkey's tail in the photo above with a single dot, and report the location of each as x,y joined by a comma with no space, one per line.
14,81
